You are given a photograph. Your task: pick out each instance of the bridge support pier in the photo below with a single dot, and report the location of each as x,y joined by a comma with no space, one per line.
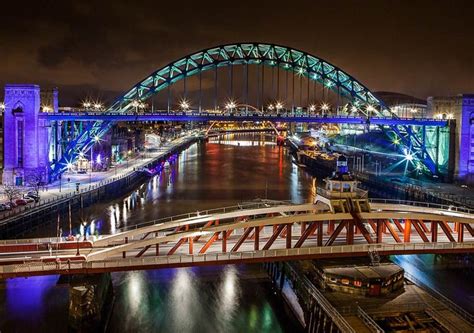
90,302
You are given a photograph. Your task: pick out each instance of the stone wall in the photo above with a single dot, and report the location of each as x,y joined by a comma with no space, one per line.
25,135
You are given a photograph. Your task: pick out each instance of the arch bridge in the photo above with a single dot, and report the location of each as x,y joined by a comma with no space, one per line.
286,83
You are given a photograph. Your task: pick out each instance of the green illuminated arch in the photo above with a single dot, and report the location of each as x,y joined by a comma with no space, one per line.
296,61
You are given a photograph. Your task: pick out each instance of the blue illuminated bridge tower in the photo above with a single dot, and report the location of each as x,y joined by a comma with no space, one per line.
234,82
26,134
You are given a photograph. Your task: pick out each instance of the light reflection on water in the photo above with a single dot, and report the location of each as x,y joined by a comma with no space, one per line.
228,297
199,299
205,299
206,176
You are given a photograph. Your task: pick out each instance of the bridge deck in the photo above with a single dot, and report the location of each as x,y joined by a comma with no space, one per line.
254,234
203,116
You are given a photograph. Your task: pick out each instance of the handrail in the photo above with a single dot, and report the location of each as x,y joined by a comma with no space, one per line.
371,324
331,311
118,263
263,203
440,298
453,208
441,320
289,113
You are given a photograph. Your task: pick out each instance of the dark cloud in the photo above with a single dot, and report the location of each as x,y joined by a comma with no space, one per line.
416,47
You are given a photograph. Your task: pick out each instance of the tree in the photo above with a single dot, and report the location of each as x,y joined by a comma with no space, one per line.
11,191
35,180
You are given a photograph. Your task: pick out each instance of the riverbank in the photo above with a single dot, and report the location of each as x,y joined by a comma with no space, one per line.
393,186
108,187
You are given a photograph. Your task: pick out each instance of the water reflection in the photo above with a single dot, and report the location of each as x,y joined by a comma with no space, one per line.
199,299
228,297
204,176
36,304
211,299
136,291
184,300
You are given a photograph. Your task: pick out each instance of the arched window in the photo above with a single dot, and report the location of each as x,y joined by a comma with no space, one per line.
18,108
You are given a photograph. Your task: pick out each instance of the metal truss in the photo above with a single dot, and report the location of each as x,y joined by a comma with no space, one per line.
292,60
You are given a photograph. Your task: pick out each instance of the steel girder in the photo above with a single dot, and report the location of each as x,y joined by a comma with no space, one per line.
296,61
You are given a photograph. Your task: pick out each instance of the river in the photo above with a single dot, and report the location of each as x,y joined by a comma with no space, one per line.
223,172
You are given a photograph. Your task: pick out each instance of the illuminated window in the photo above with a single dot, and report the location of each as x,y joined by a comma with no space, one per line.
20,143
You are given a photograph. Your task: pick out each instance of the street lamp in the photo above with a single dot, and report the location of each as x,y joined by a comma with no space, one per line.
279,106
129,154
230,105
325,107
370,109
97,106
184,105
96,140
86,105
137,104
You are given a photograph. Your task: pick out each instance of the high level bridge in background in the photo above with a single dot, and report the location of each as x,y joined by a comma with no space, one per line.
301,117
274,82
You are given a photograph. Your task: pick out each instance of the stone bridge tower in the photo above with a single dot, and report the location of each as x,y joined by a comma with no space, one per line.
25,135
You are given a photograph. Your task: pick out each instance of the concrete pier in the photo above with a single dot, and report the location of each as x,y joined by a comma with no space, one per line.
90,302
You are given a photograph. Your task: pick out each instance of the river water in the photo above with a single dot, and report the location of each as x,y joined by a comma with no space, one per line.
223,172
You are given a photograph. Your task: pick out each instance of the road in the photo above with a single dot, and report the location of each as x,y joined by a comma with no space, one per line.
67,185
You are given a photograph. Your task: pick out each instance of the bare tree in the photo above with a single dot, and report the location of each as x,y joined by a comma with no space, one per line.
11,191
35,180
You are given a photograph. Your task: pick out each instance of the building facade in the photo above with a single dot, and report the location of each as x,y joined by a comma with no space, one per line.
461,109
25,135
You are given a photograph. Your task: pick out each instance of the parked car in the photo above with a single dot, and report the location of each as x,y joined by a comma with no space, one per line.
21,202
29,199
33,195
12,204
3,207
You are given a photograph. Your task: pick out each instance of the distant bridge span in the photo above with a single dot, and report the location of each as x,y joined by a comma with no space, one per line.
258,232
275,58
205,117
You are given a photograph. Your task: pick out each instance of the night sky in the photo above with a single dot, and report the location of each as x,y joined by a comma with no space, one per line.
101,48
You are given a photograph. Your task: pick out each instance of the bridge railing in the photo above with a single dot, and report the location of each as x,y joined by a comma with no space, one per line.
116,263
203,213
373,326
284,113
441,299
458,209
341,195
329,309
